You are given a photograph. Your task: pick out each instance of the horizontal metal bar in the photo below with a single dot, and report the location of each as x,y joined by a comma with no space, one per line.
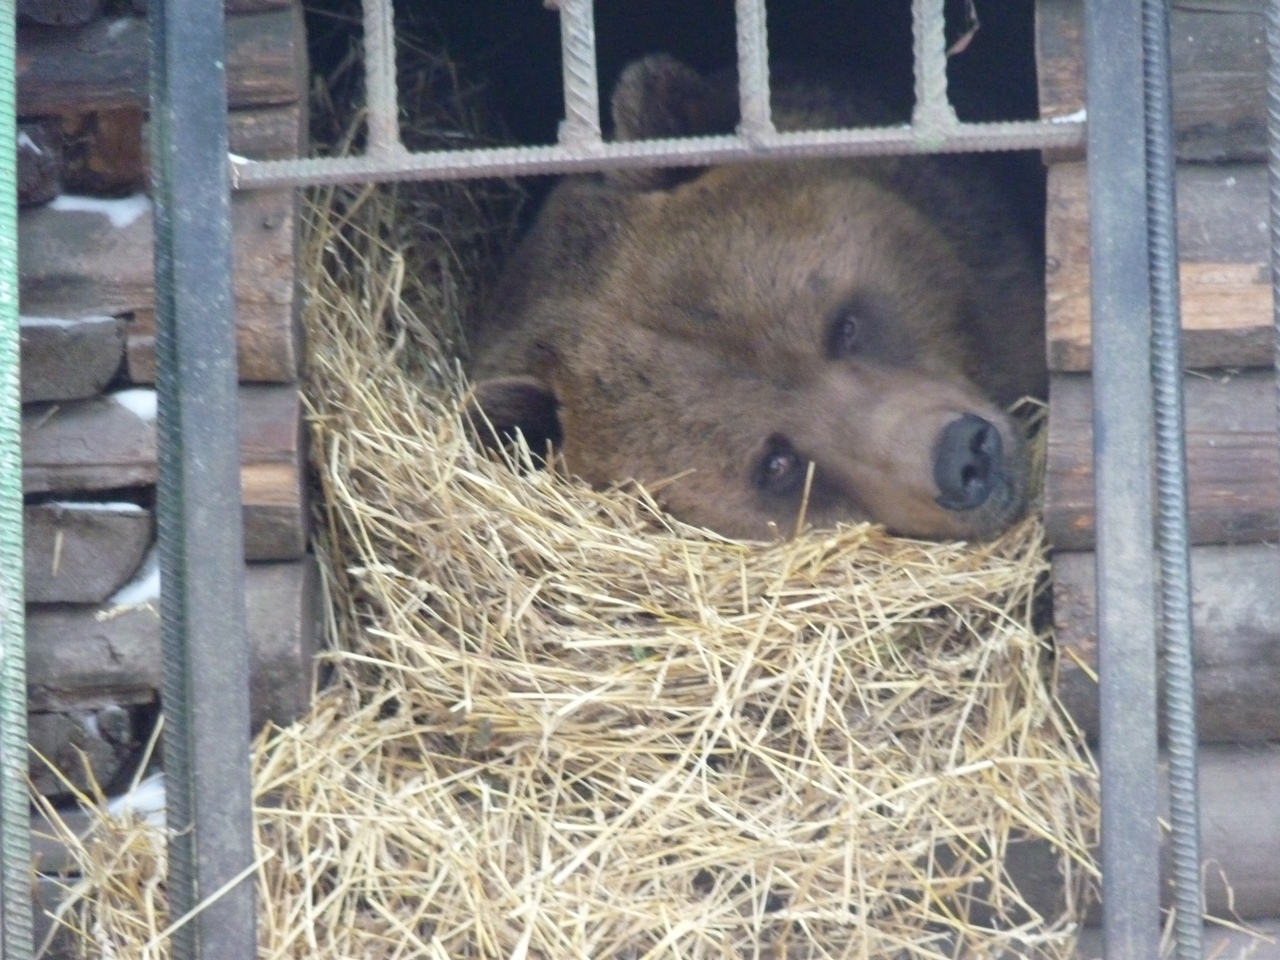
691,151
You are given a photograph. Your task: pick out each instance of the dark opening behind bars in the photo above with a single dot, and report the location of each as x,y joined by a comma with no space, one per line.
1125,259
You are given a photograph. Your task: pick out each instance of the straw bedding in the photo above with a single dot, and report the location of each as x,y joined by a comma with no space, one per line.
559,724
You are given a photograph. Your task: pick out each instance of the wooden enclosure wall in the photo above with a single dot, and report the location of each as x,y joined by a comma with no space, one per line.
1219,59
88,368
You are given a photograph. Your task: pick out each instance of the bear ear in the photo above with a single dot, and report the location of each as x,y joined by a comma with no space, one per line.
502,405
659,97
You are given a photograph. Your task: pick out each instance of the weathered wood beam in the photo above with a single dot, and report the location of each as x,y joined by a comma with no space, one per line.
1218,55
82,552
69,359
103,444
1236,616
81,257
1223,249
104,64
89,657
1233,459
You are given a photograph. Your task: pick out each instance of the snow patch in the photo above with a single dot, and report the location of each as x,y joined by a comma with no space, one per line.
146,801
140,401
60,322
120,212
91,506
144,587
237,159
26,143
1080,116
117,27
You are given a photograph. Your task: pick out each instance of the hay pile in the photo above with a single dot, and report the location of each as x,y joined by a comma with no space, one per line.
561,725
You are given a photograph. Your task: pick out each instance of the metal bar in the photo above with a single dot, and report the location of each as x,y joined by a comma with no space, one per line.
15,838
1172,543
1122,438
1273,170
933,116
691,151
581,124
203,637
753,71
382,106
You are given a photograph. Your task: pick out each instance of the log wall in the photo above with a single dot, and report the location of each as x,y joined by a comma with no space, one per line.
1233,439
86,289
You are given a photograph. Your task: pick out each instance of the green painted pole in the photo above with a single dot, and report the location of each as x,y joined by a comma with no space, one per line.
15,839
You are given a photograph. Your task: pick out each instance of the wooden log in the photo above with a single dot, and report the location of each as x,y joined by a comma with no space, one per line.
269,133
69,359
99,444
82,257
1233,462
59,13
104,64
84,746
1239,832
1223,253
82,552
40,162
79,657
273,473
103,444
104,150
1218,58
1236,617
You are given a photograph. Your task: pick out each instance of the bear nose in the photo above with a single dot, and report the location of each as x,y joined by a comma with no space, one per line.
965,461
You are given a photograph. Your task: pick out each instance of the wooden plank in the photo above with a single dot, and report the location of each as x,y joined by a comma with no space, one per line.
104,151
69,359
104,63
40,162
61,13
82,257
1239,832
1233,465
82,552
269,133
101,444
97,444
273,473
1236,617
1218,59
80,657
1223,253
99,740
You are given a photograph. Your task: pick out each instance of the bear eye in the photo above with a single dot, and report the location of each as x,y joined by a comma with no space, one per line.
845,335
781,470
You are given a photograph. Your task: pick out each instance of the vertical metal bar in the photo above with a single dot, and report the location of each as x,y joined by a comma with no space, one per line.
204,641
15,840
1122,438
933,114
1171,482
1273,169
581,87
381,98
753,70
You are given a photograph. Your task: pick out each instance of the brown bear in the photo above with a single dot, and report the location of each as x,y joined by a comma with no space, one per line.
757,341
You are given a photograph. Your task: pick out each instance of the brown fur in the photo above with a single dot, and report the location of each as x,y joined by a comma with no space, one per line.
675,327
